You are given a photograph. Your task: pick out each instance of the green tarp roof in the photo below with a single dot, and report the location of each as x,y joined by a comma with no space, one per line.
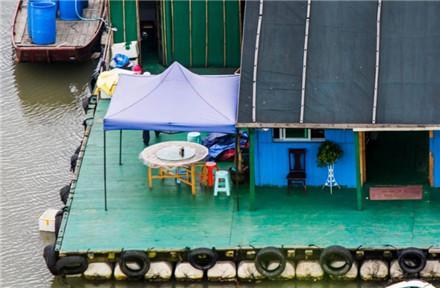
340,70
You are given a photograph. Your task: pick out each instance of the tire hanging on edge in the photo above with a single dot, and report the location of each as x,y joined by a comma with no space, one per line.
267,257
134,256
71,265
336,254
202,258
51,258
411,260
64,193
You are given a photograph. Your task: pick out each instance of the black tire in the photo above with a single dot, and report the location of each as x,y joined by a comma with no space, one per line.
73,160
51,258
64,193
137,257
202,258
78,149
331,255
92,82
71,265
266,257
412,260
85,104
58,220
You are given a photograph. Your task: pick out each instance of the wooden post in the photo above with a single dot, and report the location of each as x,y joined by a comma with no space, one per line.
193,179
431,159
150,178
252,169
431,165
359,195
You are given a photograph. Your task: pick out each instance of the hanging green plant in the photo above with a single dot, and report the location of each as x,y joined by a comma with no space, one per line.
328,153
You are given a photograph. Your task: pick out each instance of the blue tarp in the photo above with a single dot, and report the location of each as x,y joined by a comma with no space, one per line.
175,100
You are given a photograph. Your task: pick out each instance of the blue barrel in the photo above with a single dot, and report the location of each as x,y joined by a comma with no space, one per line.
44,23
29,13
71,9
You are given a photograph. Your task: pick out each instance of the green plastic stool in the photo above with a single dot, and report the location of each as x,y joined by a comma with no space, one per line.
222,183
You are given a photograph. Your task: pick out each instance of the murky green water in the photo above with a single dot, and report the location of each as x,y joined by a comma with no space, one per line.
40,120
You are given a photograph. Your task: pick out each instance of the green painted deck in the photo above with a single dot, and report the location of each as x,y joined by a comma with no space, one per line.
168,217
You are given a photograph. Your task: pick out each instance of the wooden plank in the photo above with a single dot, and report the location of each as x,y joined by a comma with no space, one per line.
410,192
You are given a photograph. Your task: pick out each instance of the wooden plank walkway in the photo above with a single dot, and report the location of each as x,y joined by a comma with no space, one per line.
169,218
69,33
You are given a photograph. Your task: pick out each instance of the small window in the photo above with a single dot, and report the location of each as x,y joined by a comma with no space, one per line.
298,134
317,134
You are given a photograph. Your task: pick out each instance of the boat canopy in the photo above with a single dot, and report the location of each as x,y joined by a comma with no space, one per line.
175,100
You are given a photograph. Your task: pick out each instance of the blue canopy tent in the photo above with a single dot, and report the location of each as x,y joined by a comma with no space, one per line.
175,100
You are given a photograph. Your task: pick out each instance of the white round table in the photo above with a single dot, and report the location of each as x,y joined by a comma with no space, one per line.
169,155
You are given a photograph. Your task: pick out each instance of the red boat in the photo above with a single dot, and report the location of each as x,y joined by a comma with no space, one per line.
75,40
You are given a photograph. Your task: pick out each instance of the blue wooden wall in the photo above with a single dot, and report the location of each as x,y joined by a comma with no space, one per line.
435,150
272,164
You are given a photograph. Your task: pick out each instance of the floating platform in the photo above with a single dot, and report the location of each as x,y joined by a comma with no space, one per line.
168,217
167,220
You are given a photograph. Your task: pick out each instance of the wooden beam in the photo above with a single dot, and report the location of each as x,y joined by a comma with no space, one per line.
431,169
363,160
354,126
431,160
252,169
359,194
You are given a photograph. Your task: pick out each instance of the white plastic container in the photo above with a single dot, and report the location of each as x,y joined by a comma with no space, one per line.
46,221
132,52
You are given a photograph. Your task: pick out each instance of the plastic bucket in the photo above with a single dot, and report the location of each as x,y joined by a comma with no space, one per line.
29,13
69,9
43,22
194,137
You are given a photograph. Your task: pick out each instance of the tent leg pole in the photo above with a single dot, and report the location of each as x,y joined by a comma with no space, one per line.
105,175
237,165
120,147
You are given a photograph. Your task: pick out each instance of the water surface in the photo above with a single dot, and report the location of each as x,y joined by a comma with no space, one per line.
40,120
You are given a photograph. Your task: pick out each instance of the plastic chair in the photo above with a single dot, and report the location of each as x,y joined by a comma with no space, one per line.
222,183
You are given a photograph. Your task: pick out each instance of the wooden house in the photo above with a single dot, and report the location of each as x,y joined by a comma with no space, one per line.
364,75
